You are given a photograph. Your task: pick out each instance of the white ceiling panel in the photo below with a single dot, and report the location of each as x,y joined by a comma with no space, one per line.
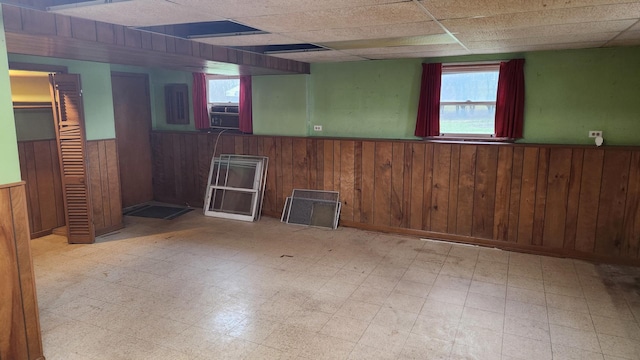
249,40
547,17
557,39
320,56
244,8
522,48
353,17
544,31
368,32
443,48
419,54
457,9
140,13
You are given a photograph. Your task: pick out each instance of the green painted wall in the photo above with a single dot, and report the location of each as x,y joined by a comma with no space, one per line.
9,161
371,99
96,92
280,105
568,92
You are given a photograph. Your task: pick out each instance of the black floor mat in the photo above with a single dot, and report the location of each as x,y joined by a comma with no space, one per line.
158,212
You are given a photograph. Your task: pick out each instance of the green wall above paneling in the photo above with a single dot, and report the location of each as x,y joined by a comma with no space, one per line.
9,160
96,92
280,105
371,99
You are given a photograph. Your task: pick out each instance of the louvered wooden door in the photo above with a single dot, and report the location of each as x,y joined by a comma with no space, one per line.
69,117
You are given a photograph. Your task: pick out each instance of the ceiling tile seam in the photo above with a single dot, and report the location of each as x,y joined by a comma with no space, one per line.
621,32
542,37
533,27
446,30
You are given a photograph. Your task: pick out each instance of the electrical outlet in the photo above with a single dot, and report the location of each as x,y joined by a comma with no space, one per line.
317,127
595,133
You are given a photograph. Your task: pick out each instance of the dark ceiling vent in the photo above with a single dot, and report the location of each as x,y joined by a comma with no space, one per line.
281,49
204,29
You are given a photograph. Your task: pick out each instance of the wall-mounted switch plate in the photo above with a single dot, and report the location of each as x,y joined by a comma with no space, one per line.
595,133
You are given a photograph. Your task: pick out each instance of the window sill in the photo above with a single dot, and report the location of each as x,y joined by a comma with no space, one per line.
468,139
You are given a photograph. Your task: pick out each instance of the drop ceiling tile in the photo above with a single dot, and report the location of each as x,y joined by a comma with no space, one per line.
635,27
319,56
457,9
629,34
419,54
628,38
140,13
544,18
249,40
369,32
443,48
534,41
353,17
244,8
543,31
523,48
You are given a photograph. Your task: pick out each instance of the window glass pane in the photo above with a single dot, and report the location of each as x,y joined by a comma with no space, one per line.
224,91
467,119
469,86
468,102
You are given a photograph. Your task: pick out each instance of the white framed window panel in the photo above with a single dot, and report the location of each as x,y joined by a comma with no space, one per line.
235,187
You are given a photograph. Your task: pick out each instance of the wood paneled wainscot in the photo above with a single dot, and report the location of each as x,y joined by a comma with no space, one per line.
574,201
19,324
104,181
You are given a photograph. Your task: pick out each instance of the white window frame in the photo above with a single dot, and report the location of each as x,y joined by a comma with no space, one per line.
457,68
220,77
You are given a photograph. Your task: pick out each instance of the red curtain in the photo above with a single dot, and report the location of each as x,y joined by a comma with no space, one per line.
510,100
428,122
246,116
200,111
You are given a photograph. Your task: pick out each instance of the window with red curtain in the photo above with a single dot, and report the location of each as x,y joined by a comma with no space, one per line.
477,101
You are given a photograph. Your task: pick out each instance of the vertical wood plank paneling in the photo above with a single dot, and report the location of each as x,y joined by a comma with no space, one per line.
347,179
95,183
287,169
514,197
527,195
397,179
541,196
417,185
113,174
427,197
368,181
104,179
270,195
357,181
328,164
32,176
440,187
452,216
406,192
57,183
25,267
631,224
589,199
466,186
312,169
485,191
46,191
573,198
279,174
300,164
12,325
555,214
320,163
337,153
613,195
382,187
503,194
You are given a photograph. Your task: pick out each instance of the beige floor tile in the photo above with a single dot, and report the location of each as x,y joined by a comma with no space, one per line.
618,346
412,288
526,311
323,346
254,329
358,310
572,319
425,347
446,295
487,288
395,319
345,328
477,342
232,348
323,302
526,348
267,353
419,275
435,328
564,352
526,296
452,282
380,282
363,352
338,288
441,310
567,303
532,329
409,303
525,282
482,319
308,319
616,327
485,302
585,340
370,295
384,338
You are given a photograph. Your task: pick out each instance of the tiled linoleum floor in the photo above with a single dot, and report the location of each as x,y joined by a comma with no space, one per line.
203,288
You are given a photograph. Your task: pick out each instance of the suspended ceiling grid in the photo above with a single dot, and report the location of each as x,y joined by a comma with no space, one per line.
383,29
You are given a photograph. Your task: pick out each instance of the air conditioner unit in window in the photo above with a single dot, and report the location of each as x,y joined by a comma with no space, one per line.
224,117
